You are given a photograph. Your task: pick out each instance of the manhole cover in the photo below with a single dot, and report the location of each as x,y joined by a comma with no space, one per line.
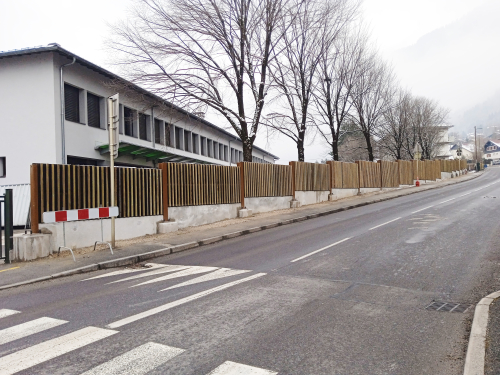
448,307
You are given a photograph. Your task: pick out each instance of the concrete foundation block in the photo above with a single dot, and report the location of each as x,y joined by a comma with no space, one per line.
168,226
294,203
244,212
31,246
331,197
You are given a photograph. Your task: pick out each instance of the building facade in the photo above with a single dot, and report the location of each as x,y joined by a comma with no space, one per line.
54,111
444,144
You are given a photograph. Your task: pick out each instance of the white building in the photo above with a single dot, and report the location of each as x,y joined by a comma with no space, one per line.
444,144
467,151
44,90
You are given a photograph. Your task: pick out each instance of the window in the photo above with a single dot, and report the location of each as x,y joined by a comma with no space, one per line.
143,127
210,148
158,137
225,153
2,167
128,121
168,141
71,103
178,138
195,148
215,150
187,140
203,142
93,110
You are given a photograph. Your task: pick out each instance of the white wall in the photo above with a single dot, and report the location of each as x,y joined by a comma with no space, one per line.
311,197
266,204
28,134
189,216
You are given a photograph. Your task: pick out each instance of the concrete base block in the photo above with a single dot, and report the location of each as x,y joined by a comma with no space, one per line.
331,197
294,203
244,212
31,246
168,226
343,193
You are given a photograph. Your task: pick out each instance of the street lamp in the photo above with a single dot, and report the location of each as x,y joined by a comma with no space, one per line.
417,153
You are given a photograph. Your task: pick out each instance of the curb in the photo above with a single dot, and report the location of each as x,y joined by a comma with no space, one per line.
120,262
476,350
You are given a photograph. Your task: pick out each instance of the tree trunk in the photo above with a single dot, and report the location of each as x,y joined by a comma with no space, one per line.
369,147
335,149
300,149
247,150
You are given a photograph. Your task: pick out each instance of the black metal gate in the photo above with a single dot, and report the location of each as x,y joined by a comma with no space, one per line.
7,228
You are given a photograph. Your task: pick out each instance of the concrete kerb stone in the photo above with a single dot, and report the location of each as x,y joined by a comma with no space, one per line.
476,350
210,240
84,269
190,245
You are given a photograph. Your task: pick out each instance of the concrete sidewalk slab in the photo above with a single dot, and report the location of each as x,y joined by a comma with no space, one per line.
151,246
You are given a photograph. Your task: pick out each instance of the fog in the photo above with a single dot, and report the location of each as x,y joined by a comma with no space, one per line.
443,49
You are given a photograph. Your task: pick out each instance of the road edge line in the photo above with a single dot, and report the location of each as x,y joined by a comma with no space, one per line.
132,259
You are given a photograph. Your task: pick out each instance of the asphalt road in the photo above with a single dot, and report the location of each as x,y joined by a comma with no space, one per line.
341,294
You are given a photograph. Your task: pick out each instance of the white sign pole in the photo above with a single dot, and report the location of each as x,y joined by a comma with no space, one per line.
113,118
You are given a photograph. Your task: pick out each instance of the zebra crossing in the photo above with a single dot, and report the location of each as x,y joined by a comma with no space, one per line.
139,360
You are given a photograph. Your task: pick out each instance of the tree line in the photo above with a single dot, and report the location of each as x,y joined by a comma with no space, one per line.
299,68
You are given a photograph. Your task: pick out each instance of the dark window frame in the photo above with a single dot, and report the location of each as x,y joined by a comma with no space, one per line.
72,110
94,112
3,161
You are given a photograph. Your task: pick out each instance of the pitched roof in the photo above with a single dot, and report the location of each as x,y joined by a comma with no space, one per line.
54,47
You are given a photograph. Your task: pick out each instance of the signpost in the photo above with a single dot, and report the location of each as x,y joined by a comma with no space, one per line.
113,125
417,153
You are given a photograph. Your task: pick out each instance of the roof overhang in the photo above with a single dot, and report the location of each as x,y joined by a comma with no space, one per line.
148,153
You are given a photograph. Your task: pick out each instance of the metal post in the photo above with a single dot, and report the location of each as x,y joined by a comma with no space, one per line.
8,224
111,120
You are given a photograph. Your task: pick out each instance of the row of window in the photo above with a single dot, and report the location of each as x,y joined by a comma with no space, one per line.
491,148
3,168
138,125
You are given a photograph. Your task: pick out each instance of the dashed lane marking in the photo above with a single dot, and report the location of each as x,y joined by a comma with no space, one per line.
233,368
165,269
36,354
6,312
187,272
149,266
387,222
138,361
422,209
179,302
317,251
29,328
10,269
218,274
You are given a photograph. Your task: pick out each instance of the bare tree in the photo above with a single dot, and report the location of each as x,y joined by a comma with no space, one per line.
370,98
209,54
336,78
294,71
396,125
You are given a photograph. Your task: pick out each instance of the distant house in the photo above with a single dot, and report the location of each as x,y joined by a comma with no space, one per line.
491,150
53,111
467,151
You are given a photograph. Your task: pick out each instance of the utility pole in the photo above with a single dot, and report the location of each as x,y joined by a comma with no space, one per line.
475,144
113,119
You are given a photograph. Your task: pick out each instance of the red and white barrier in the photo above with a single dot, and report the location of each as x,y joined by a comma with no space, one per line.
84,214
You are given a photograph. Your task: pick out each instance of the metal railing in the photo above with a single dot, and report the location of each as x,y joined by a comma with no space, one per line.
8,228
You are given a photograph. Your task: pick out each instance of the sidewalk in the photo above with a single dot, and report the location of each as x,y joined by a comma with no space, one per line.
492,360
129,252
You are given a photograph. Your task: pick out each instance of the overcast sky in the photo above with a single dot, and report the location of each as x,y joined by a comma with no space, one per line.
444,49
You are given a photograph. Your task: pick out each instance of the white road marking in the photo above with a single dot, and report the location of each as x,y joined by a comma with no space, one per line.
448,200
390,221
138,361
29,328
233,368
414,212
36,354
219,274
128,270
6,312
179,302
165,269
187,272
463,195
317,251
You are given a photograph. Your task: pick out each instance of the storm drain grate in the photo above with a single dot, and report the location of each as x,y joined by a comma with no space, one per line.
448,307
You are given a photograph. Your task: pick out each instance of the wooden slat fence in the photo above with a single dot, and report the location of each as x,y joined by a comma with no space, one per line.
336,174
267,180
70,187
350,176
311,176
195,184
390,174
369,174
405,172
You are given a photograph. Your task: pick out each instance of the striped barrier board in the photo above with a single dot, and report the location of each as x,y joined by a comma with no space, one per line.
83,214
